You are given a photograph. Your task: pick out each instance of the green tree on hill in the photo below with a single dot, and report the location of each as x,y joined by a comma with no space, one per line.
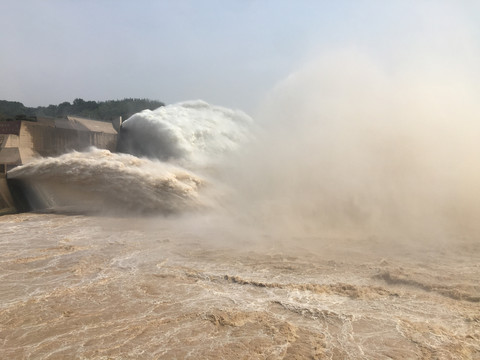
102,110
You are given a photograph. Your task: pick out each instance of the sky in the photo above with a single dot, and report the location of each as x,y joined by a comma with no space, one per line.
226,52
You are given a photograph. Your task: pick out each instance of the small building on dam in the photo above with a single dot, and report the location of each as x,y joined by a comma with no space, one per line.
24,139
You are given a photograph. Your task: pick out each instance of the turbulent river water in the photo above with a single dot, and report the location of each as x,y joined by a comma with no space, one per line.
326,234
99,287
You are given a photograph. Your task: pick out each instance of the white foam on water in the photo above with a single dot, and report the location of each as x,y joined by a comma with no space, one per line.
193,134
101,180
175,149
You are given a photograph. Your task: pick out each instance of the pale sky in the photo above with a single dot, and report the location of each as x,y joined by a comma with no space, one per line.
226,52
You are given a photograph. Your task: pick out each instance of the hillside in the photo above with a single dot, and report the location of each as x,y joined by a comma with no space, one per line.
102,110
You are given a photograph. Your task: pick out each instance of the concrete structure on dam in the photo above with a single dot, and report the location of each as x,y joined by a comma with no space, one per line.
27,139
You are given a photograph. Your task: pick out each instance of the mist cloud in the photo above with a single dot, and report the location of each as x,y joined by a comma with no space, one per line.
349,146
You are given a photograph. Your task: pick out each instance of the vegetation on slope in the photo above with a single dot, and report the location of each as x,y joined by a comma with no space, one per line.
102,110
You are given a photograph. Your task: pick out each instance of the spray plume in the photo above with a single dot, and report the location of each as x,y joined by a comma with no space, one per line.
349,148
341,147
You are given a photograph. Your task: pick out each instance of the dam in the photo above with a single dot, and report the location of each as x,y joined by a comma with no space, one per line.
25,139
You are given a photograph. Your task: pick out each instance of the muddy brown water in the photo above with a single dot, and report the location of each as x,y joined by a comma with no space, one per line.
96,287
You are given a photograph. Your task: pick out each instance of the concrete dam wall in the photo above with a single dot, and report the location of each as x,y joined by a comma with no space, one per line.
24,140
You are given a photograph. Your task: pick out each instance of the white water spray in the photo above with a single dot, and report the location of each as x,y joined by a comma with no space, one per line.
179,146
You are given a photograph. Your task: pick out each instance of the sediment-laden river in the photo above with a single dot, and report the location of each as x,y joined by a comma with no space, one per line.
97,287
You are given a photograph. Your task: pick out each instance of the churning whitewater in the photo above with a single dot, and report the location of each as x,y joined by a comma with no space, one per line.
192,134
173,152
101,180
